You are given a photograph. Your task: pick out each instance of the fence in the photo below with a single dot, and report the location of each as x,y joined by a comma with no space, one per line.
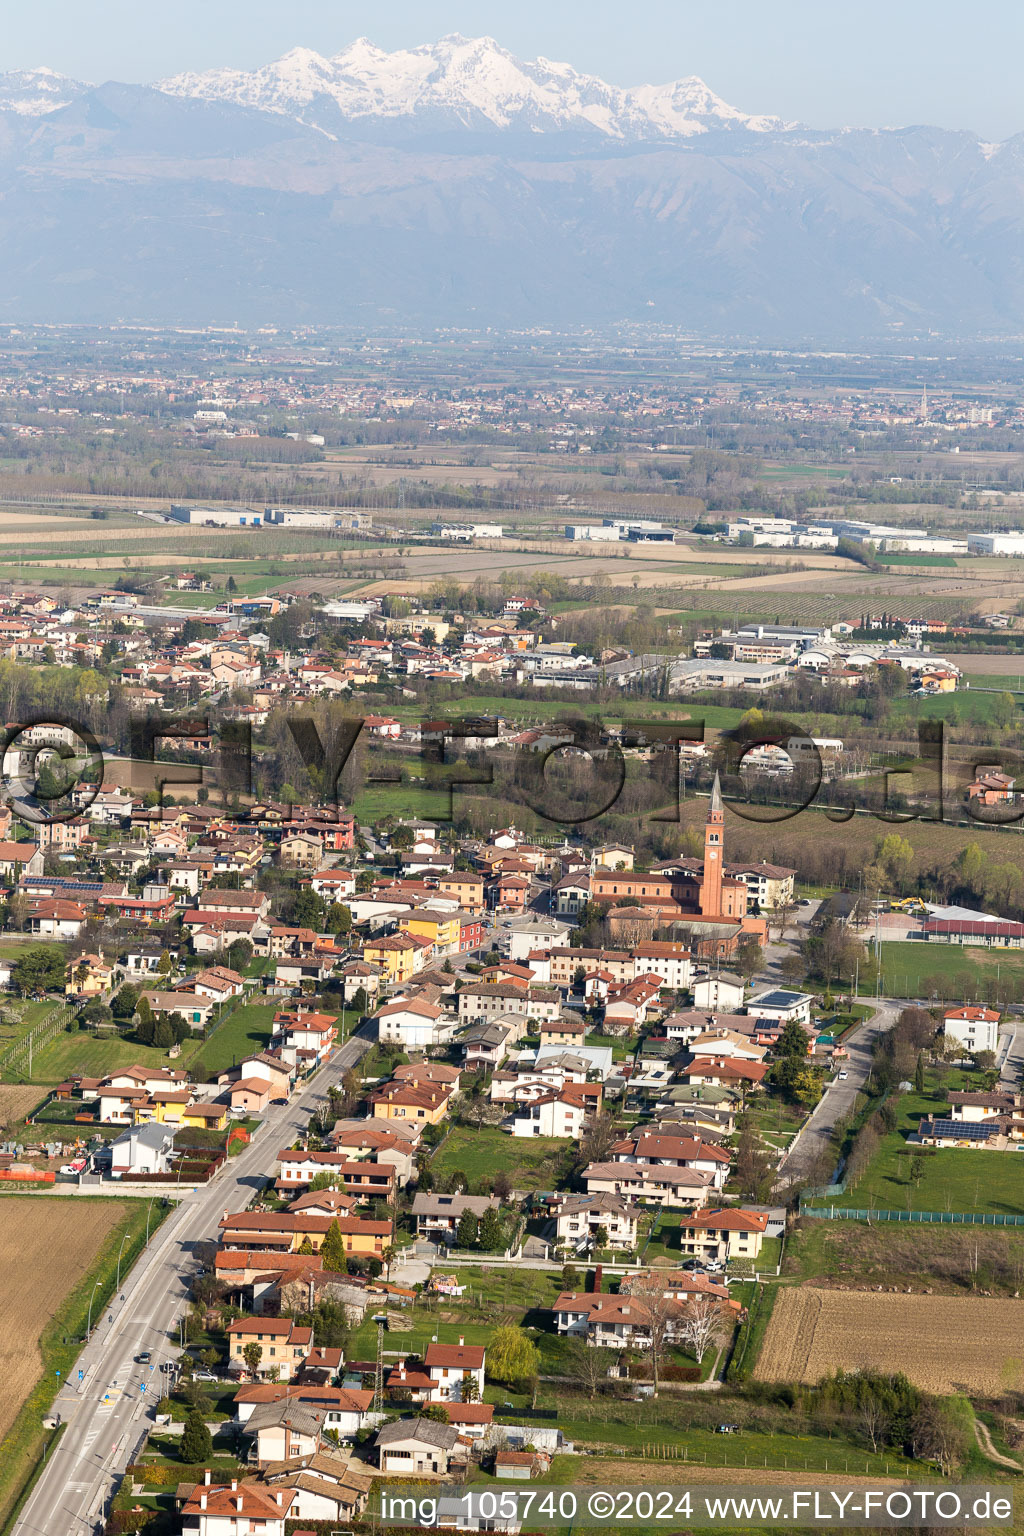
21,1051
947,1218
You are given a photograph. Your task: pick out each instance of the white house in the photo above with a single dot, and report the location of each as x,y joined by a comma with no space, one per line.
784,1007
976,1029
562,1113
449,1365
142,1149
722,993
236,1509
414,1024
411,1447
578,1218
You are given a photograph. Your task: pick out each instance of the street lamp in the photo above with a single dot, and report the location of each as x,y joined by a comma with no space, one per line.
124,1239
88,1326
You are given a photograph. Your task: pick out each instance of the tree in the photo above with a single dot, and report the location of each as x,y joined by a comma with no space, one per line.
468,1233
252,1354
660,1315
570,1279
492,1232
749,958
435,1413
700,1326
40,969
587,1367
938,1433
338,918
196,1440
895,857
469,1390
512,1357
239,954
755,1169
332,1251
502,1185
306,1246
597,1140
919,1073
125,1001
307,910
325,1180
165,965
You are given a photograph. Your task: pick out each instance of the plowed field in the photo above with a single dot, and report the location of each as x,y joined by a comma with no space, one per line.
942,1343
48,1246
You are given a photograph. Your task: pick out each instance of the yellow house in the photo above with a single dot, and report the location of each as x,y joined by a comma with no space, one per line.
467,887
206,1117
395,956
443,929
425,1103
88,976
613,856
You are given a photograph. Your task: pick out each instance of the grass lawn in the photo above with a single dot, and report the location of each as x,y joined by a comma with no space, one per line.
954,1260
917,969
480,1153
362,1343
661,1425
94,1055
247,1029
952,1179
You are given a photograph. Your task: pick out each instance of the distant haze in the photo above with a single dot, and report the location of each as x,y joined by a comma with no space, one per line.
455,183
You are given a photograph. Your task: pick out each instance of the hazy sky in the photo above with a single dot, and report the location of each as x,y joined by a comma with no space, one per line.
826,62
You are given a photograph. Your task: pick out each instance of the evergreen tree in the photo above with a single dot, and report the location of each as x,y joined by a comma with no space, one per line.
332,1251
196,1442
468,1233
492,1232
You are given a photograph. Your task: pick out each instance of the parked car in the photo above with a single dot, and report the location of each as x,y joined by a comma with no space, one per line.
204,1376
714,1266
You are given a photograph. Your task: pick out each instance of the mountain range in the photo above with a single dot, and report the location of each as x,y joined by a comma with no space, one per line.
455,184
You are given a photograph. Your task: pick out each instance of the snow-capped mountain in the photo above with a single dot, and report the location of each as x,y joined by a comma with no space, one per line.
31,92
467,82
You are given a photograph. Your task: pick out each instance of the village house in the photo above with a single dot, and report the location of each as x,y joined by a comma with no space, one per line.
284,1345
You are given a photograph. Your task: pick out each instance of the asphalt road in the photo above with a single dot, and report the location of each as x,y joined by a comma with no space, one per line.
105,1413
838,1099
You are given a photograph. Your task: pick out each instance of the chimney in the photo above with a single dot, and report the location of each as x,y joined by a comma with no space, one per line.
239,1501
202,1501
461,1340
234,1484
207,1477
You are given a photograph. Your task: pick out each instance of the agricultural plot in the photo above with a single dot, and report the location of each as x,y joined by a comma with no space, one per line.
943,1344
16,1102
40,1275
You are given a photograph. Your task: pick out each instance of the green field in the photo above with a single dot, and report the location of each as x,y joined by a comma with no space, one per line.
908,967
481,1153
247,1029
950,1179
93,1055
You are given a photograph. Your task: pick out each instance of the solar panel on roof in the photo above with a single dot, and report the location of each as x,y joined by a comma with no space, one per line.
962,1130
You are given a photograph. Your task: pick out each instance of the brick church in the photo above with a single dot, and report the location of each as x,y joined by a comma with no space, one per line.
700,900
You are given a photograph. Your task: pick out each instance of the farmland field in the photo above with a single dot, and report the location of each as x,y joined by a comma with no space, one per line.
55,1250
40,1274
942,1344
15,1102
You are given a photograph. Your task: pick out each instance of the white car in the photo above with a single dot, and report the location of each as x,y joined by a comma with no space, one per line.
842,1077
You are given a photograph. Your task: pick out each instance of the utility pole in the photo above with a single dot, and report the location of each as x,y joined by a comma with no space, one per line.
378,1375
